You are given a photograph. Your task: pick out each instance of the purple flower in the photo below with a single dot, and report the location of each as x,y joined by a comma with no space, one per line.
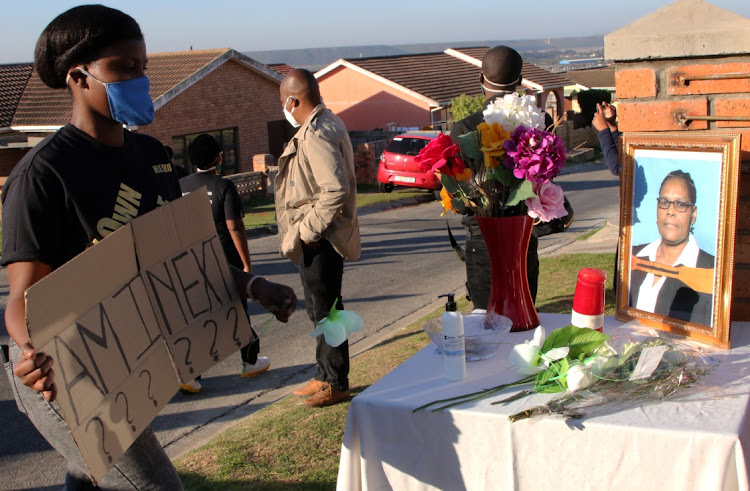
533,154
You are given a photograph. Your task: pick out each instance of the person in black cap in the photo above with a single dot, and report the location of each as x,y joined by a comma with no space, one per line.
501,75
204,152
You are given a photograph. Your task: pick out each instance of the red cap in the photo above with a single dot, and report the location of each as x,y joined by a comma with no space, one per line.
589,295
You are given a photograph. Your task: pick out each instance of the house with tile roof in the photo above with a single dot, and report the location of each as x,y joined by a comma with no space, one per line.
13,80
414,91
593,78
599,78
220,91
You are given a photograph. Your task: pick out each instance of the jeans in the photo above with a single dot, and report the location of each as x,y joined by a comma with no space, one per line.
478,274
321,271
144,466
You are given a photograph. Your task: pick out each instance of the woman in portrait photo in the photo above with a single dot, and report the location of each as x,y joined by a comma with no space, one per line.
672,276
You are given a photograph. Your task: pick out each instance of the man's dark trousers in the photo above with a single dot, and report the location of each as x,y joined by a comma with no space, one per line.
321,271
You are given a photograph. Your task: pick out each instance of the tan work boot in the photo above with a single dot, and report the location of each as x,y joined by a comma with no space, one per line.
328,396
312,387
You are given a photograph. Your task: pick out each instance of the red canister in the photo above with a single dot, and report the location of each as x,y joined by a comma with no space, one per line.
588,300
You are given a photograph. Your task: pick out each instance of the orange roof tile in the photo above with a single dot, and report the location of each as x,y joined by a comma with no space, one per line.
282,68
437,76
13,79
41,106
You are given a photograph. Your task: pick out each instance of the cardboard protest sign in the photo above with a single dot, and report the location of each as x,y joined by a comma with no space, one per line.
151,305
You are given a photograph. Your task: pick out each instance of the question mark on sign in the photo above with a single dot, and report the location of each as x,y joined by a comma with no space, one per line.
127,417
101,424
148,390
213,352
237,340
187,353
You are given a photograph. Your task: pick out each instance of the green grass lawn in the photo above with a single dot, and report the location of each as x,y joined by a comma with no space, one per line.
288,445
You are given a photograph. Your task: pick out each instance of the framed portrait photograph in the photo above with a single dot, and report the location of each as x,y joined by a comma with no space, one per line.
677,226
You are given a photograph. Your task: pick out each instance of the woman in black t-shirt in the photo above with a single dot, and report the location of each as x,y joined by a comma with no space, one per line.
76,187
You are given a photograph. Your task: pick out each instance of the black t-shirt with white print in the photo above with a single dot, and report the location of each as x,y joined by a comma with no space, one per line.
226,204
70,191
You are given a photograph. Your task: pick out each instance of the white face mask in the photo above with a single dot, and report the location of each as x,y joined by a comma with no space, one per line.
289,115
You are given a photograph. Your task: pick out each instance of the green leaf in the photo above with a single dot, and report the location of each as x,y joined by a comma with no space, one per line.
581,340
553,380
470,146
449,183
459,206
505,176
521,193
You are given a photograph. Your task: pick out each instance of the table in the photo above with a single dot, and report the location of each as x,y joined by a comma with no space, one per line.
696,443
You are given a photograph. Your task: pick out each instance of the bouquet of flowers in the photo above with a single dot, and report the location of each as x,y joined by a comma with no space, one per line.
504,167
588,373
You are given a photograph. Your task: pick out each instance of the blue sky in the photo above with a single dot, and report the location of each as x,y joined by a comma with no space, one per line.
258,25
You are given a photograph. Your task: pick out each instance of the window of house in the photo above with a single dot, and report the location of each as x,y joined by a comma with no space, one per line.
227,139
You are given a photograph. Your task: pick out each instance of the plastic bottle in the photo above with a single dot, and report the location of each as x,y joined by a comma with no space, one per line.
454,352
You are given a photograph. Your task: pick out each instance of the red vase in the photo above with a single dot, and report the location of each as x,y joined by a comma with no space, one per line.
507,240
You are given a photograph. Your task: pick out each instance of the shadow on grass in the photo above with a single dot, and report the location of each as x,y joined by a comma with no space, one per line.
198,482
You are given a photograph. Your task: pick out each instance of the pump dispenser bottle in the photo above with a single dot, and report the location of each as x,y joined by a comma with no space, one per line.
454,353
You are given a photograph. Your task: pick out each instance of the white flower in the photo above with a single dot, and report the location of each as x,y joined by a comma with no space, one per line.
337,326
528,357
512,111
579,377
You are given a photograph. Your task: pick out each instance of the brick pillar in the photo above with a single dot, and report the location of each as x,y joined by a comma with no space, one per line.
689,38
262,161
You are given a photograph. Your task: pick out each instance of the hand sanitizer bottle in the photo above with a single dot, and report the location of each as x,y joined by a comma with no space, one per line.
454,353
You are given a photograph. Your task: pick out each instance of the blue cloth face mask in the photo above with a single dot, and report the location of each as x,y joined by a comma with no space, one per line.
129,100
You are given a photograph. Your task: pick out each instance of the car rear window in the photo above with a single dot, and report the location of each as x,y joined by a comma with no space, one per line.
407,146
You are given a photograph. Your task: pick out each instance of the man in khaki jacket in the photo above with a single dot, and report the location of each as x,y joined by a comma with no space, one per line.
315,192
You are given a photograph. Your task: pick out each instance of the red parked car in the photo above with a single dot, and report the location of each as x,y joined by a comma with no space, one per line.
398,168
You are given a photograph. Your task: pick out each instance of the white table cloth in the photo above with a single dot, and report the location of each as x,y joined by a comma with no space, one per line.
699,442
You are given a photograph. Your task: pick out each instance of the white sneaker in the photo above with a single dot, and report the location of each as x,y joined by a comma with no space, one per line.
261,365
192,387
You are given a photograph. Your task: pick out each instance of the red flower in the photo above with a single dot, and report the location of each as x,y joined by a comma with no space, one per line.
440,154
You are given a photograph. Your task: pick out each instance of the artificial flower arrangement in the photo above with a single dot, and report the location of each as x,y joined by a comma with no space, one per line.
504,167
580,364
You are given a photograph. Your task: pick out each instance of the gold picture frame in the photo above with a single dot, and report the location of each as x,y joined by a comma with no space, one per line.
677,226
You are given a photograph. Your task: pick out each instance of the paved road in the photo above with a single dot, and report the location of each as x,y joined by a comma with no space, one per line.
406,262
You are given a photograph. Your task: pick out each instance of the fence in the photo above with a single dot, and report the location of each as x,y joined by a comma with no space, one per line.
249,184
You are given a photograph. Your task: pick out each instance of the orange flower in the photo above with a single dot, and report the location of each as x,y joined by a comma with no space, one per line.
447,201
492,136
465,175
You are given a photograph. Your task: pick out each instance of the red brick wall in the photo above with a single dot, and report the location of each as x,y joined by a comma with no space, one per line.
652,99
230,96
